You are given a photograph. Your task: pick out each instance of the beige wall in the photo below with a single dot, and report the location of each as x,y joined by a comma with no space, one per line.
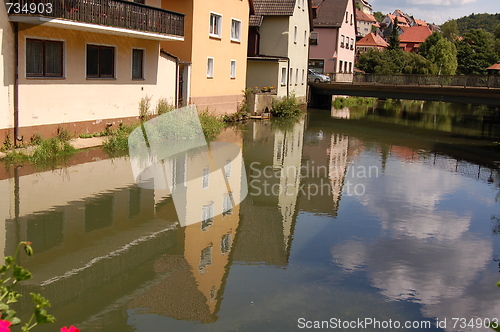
76,98
261,74
220,94
7,63
274,36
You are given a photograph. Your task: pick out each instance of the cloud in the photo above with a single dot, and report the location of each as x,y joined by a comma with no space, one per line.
446,3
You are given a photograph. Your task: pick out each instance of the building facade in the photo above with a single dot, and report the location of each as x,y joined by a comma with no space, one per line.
332,48
84,70
278,47
214,52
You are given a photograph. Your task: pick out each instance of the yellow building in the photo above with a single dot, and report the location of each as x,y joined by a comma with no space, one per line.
214,52
83,65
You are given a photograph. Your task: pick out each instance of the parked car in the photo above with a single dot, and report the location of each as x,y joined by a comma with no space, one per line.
314,76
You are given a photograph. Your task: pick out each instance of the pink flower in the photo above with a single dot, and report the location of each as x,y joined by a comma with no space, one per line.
71,329
4,325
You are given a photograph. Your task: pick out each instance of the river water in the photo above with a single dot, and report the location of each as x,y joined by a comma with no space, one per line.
383,214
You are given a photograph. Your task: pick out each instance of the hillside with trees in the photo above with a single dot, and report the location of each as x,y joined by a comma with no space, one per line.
486,22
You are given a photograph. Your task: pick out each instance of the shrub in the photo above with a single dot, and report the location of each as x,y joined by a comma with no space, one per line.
163,106
36,139
211,125
286,107
144,106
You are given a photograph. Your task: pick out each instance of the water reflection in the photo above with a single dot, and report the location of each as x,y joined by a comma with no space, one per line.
417,243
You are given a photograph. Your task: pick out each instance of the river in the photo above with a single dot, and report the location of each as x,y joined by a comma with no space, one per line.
366,217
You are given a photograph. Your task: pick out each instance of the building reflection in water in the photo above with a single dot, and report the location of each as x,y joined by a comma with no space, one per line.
273,160
102,244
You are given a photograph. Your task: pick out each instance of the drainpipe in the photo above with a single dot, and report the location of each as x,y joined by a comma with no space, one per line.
16,85
289,77
177,82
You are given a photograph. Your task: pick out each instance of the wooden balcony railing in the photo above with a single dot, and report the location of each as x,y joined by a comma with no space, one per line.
114,13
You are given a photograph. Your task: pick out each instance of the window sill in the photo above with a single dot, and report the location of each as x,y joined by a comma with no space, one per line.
102,78
236,41
138,79
218,37
44,78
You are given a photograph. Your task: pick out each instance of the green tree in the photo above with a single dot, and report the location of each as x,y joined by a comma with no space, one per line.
395,62
497,39
444,56
394,39
431,41
379,16
476,52
450,30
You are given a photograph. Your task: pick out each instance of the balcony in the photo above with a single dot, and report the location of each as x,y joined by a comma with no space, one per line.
106,16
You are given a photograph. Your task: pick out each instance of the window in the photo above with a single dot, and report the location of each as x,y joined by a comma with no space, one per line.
227,205
296,76
347,43
227,169
205,258
210,67
225,243
283,75
303,76
100,61
340,66
215,25
235,30
345,67
205,177
290,75
346,17
295,34
137,64
207,216
305,37
313,40
350,67
351,20
233,69
342,41
352,43
139,1
44,58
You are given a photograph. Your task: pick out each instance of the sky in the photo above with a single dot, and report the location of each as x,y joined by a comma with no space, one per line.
437,11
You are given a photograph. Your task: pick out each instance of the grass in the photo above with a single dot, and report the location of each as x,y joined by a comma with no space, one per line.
117,142
44,151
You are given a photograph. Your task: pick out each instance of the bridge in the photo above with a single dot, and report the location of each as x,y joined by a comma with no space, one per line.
480,89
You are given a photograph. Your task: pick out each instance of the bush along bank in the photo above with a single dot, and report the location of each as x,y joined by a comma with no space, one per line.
42,151
286,107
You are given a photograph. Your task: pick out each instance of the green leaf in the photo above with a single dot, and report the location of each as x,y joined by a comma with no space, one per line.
21,273
39,300
15,321
13,296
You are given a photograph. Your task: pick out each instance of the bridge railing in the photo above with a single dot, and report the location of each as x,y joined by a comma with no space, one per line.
482,81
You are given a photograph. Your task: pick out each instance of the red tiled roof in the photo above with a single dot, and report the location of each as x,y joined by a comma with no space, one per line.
360,16
401,20
420,22
372,39
496,66
415,34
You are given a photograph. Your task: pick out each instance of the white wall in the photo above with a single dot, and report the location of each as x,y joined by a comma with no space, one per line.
7,65
298,50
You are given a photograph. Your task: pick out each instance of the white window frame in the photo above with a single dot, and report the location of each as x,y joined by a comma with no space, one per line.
205,179
295,32
283,76
232,69
210,67
290,74
218,33
237,36
296,76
